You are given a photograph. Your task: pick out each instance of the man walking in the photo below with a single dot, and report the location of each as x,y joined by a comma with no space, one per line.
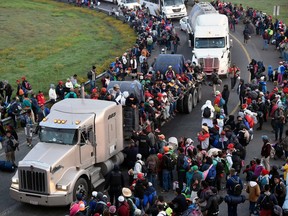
265,152
234,74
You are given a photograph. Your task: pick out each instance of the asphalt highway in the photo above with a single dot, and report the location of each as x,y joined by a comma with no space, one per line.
181,125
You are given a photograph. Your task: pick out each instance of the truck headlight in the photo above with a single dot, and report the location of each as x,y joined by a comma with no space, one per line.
15,180
183,8
62,187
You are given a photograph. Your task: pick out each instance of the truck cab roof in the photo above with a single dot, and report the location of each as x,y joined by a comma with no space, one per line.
72,112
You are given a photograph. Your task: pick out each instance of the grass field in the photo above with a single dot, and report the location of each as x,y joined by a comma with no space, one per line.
48,41
267,7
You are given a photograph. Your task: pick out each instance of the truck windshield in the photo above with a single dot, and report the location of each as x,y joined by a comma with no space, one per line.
172,2
210,42
59,136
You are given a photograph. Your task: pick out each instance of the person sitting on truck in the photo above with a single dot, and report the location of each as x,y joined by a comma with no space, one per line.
115,91
169,74
132,101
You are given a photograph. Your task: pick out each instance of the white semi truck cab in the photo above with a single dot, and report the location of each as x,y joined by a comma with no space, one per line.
208,33
80,141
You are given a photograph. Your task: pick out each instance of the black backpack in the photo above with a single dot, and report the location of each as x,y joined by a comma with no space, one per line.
169,162
266,202
206,112
237,189
89,75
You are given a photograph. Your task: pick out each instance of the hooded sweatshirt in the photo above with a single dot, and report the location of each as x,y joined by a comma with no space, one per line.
208,103
253,190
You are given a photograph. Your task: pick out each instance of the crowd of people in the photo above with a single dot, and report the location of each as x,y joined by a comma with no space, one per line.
199,170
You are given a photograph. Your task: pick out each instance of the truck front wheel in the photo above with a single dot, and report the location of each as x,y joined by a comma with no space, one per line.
81,186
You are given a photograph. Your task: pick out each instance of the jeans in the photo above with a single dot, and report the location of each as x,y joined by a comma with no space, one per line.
181,178
167,181
175,47
232,209
285,55
233,82
278,130
152,178
252,207
265,46
92,85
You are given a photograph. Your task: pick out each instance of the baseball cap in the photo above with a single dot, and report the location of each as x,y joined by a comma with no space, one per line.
121,199
230,146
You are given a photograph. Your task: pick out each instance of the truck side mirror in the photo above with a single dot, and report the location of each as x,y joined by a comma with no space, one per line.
231,43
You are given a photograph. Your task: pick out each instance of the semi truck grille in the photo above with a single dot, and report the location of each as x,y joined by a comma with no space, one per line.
33,181
209,64
176,10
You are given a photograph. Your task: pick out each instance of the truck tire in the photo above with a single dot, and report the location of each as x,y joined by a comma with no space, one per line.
180,105
195,97
81,186
199,90
188,103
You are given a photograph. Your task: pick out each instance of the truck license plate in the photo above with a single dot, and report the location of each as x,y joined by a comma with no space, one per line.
33,202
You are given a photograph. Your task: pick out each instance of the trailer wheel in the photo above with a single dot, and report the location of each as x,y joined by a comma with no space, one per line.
199,98
180,105
188,103
81,186
195,98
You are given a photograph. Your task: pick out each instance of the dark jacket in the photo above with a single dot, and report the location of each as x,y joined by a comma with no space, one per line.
180,204
225,95
115,181
213,203
266,149
231,183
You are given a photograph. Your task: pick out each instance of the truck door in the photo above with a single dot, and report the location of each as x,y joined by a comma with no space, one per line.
87,154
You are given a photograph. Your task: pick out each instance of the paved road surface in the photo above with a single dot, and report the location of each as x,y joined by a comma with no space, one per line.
182,125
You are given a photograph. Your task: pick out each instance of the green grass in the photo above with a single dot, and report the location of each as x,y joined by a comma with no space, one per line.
267,7
49,41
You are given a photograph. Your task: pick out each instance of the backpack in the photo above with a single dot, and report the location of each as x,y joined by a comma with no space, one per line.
71,95
186,163
206,112
272,152
266,202
222,102
89,75
212,173
143,167
28,85
169,163
237,189
226,165
22,120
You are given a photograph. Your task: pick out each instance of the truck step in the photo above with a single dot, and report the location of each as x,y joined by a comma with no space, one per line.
95,173
98,183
